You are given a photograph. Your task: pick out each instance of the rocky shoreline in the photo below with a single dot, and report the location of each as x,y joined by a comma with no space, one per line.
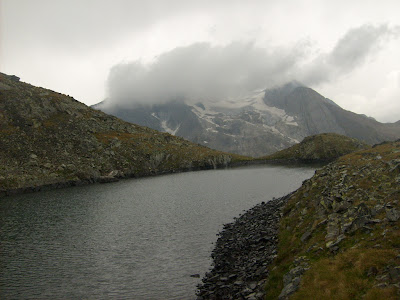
243,252
116,176
50,140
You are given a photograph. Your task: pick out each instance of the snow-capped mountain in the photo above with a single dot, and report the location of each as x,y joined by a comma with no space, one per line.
257,124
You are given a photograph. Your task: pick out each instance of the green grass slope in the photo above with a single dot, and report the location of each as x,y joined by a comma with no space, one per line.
50,139
340,232
320,147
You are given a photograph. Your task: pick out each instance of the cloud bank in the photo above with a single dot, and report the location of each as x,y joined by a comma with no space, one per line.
351,51
202,71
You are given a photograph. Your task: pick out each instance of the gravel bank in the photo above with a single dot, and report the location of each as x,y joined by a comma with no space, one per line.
242,254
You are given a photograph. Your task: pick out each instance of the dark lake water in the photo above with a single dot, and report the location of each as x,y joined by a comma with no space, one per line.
133,239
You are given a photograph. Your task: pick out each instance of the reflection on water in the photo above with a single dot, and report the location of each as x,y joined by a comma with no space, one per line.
137,239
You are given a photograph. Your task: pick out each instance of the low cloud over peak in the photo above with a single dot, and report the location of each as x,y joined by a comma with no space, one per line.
202,71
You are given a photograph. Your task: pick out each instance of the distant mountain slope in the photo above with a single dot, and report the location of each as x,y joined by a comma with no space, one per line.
50,139
258,124
320,147
316,114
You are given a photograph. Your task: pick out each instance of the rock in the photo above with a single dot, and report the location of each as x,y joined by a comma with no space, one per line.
289,289
333,245
291,280
47,165
14,78
392,215
333,226
292,274
306,236
251,296
394,273
239,283
4,87
253,286
381,285
372,271
242,253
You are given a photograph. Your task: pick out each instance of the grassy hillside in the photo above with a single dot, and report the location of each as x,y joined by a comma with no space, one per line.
339,235
320,147
47,138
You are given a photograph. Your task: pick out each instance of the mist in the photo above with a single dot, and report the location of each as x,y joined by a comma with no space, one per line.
203,71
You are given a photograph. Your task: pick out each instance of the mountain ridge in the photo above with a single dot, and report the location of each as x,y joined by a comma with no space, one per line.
259,124
50,140
323,147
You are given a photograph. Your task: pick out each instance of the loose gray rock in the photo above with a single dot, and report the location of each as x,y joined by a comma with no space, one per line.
392,214
242,254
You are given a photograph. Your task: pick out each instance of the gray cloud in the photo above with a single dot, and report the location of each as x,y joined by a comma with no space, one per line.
350,52
77,26
201,71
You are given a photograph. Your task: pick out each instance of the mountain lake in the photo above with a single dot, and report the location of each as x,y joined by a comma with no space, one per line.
132,239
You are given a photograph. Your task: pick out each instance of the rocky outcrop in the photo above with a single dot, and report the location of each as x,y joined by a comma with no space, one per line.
243,253
344,223
336,237
324,147
291,280
50,140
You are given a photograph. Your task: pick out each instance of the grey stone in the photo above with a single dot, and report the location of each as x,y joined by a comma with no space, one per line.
290,288
392,214
306,236
252,296
332,227
14,78
244,250
394,273
253,285
292,274
4,87
372,271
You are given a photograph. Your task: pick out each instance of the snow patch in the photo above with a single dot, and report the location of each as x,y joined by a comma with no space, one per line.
289,120
165,127
205,114
212,130
169,130
155,116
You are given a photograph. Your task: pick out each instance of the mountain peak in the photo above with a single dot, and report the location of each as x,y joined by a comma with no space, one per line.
276,94
260,123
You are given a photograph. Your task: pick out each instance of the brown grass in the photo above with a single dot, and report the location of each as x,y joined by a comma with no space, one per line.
345,275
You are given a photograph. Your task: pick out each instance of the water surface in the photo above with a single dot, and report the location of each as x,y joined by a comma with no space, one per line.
133,239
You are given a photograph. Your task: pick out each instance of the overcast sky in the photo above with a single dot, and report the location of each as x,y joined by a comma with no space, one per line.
347,50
